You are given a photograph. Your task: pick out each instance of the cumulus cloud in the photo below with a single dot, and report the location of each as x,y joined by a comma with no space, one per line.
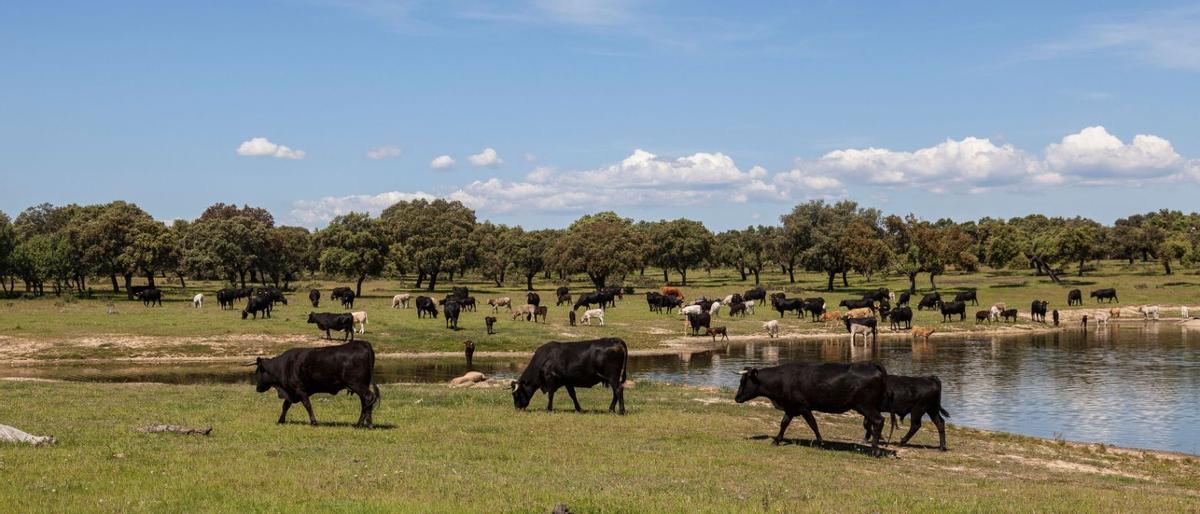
487,158
262,147
442,162
1095,155
380,153
313,212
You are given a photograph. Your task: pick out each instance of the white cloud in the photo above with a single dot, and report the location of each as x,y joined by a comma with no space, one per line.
380,153
261,147
313,212
1093,154
487,158
442,162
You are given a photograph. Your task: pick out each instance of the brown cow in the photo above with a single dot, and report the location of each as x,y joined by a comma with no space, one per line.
922,332
672,291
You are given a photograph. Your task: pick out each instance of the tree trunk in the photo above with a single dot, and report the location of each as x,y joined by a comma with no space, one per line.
791,271
683,277
1081,267
358,286
912,283
931,282
1167,266
116,288
529,281
598,280
128,283
666,277
242,278
150,279
742,271
420,278
832,275
433,279
845,283
755,270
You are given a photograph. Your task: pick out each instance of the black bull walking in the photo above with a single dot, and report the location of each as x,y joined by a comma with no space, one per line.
300,373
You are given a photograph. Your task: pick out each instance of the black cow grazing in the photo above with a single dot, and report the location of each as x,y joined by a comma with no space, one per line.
653,300
982,316
150,297
607,296
225,298
256,305
698,321
562,290
929,301
245,292
1074,297
879,295
578,364
469,350
273,294
563,298
468,303
1109,294
490,321
1007,314
952,308
571,317
900,315
589,299
314,296
300,373
533,299
903,298
459,292
788,304
966,296
332,321
452,310
338,292
669,303
815,307
347,299
801,389
918,397
1037,310
615,291
540,311
136,291
757,293
858,304
425,306
737,308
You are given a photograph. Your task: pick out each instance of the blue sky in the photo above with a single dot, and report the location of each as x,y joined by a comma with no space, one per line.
727,112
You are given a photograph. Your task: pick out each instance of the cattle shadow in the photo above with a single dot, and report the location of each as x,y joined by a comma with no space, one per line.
341,424
837,446
910,445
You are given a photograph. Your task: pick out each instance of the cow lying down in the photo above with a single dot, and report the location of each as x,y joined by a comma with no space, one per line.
300,373
15,435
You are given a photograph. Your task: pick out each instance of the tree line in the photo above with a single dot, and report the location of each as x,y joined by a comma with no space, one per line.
61,248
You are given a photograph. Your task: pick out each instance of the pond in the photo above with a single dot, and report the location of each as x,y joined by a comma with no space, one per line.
1133,384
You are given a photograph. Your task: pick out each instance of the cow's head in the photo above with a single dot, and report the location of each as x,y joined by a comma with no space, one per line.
748,388
263,379
521,394
312,318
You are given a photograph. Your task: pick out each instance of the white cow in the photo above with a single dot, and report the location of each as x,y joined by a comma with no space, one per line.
690,309
772,328
15,435
856,329
727,300
1149,311
360,318
714,309
1183,312
593,313
400,301
198,301
994,314
1102,318
750,306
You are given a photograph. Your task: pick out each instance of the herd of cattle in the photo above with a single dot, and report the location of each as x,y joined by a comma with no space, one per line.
798,389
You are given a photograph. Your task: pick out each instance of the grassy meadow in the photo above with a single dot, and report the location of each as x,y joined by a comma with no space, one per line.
54,328
441,449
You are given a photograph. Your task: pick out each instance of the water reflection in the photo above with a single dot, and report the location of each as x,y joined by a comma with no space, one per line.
1132,385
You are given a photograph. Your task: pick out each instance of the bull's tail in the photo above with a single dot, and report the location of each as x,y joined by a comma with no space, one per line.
941,409
625,366
893,429
378,395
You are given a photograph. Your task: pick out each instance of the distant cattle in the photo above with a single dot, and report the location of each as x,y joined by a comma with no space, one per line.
198,301
563,298
782,305
1008,315
541,311
344,295
562,290
459,292
916,397
490,321
469,351
400,301
966,296
577,364
150,297
257,305
332,321
923,333
801,389
1074,297
929,301
497,303
468,303
952,308
757,293
879,295
339,292
533,299
1109,294
225,298
864,326
698,321
525,311
815,307
1037,310
360,319
857,304
737,309
861,312
591,314
1149,311
134,291
426,306
314,296
451,312
715,331
590,299
672,291
904,297
300,373
273,294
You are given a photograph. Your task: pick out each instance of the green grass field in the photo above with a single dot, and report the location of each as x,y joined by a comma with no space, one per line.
67,328
440,449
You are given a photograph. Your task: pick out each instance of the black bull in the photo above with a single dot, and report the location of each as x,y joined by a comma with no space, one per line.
576,364
300,373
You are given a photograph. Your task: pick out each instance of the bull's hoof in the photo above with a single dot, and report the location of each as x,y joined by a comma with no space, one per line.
775,442
312,423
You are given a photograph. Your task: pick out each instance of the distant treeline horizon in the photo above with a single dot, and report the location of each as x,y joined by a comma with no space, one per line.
60,248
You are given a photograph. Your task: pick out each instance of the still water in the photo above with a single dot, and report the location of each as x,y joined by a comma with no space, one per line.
1136,385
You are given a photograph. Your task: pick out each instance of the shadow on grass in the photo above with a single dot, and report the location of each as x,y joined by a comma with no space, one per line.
836,446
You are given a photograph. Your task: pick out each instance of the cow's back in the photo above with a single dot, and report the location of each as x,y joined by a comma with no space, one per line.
331,369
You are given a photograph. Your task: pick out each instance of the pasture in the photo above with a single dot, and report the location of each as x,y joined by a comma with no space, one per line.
52,328
440,449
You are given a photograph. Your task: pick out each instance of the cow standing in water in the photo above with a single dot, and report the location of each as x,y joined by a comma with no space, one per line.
469,349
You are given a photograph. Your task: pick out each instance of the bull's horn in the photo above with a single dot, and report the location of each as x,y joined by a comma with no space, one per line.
744,371
250,364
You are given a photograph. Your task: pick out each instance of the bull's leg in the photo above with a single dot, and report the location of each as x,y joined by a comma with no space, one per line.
571,391
618,398
866,430
914,424
550,401
327,336
940,423
312,419
783,426
877,427
812,423
283,413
